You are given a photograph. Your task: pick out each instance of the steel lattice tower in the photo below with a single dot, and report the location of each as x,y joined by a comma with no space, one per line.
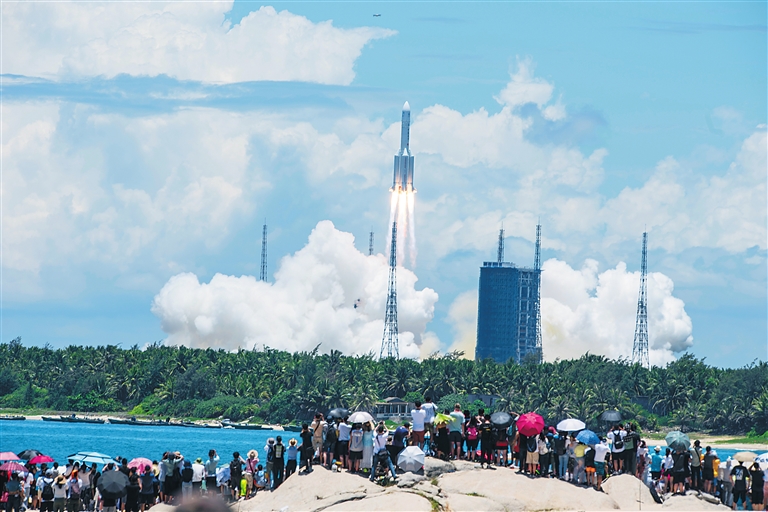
500,250
537,269
263,274
390,343
640,347
370,244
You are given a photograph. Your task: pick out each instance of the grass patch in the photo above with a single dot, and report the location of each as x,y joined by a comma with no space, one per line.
475,494
434,482
435,505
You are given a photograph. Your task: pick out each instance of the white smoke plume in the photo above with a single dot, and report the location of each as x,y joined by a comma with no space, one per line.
402,206
587,311
327,293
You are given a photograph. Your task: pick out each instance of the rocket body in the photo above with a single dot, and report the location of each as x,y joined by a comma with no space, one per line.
402,180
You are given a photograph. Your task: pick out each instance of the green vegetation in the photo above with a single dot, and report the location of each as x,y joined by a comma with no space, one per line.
277,387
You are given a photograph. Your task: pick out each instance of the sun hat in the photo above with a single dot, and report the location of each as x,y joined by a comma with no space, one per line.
61,479
198,460
657,449
292,442
252,454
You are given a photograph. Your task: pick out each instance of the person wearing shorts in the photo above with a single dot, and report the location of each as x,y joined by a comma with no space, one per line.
601,452
419,416
456,431
740,475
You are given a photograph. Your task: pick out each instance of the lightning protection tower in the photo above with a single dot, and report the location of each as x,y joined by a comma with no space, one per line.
370,244
263,273
640,347
537,269
390,344
500,250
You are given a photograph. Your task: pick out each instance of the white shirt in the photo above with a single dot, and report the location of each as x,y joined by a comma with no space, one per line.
60,492
198,472
429,409
379,442
601,450
344,430
616,435
419,416
668,462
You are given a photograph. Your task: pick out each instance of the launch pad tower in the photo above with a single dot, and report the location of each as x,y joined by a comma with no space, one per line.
390,343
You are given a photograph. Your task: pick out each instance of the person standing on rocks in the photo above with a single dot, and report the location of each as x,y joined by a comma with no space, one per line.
381,454
342,444
307,447
708,470
617,436
456,431
355,448
210,472
696,465
429,416
318,427
419,416
278,463
601,451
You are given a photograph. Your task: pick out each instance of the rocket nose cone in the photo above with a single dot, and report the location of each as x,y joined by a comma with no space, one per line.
406,107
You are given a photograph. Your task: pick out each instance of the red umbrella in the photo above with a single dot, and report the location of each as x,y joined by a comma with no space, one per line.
530,424
8,456
13,466
139,463
39,459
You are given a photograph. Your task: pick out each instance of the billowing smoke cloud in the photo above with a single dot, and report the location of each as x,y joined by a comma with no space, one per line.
587,311
327,293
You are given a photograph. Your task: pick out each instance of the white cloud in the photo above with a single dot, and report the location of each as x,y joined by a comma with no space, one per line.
590,311
524,88
186,40
312,301
682,210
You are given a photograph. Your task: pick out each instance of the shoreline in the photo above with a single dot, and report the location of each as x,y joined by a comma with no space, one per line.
715,441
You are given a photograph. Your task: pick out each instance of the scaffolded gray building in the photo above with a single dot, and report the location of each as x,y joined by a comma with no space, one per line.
508,310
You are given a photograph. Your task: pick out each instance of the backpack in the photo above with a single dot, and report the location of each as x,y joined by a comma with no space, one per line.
186,475
47,494
279,451
271,454
235,468
533,444
618,444
330,436
472,433
560,445
74,489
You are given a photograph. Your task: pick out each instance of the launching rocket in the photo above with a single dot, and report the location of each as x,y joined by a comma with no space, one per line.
403,177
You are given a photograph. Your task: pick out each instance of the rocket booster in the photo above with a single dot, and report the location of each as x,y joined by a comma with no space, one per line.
403,177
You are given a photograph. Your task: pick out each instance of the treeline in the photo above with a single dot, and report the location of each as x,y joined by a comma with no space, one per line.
277,387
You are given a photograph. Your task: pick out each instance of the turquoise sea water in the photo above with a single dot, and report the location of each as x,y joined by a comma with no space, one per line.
61,439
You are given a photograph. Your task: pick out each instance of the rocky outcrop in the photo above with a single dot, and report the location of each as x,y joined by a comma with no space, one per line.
458,487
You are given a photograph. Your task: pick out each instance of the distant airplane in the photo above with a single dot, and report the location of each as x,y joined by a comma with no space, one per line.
377,15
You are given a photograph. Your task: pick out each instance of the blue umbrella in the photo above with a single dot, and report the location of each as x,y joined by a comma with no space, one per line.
90,458
587,437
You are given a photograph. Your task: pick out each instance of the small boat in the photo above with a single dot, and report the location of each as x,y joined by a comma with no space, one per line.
230,427
73,419
12,418
132,421
241,426
212,425
292,428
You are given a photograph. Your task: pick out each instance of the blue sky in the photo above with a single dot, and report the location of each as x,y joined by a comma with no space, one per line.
133,154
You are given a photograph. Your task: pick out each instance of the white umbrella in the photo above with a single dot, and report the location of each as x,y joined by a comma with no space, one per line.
411,459
571,425
360,417
763,457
